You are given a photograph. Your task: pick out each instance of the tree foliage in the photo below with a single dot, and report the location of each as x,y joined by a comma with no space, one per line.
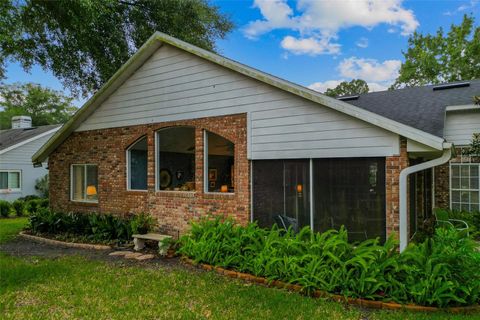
356,86
432,59
83,42
45,106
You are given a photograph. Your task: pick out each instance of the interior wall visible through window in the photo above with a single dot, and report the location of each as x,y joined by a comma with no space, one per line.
219,163
137,165
176,159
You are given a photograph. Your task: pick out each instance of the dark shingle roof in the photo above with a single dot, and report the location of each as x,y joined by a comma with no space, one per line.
11,137
419,107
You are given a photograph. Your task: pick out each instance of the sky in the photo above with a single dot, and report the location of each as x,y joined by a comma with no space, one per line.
317,43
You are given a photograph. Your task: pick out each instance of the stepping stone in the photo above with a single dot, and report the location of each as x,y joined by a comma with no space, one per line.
145,257
133,255
119,253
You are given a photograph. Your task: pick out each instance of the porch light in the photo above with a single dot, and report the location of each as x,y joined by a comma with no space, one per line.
224,188
299,188
91,190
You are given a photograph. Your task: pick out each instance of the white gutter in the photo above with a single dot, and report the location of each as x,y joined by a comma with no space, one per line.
447,154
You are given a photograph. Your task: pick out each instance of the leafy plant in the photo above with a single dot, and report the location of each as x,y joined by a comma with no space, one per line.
441,271
41,185
142,223
32,206
18,207
5,208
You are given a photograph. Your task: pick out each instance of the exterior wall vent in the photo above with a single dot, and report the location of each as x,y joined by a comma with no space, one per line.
348,98
451,86
21,122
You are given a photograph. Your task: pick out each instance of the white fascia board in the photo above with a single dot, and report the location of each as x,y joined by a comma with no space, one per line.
46,133
464,107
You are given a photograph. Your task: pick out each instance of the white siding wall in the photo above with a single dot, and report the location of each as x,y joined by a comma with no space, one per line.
20,159
459,126
175,85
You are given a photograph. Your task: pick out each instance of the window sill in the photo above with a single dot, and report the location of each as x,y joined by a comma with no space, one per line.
176,194
219,195
7,191
85,203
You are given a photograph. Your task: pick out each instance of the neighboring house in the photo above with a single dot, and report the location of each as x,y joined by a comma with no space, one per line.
181,132
17,145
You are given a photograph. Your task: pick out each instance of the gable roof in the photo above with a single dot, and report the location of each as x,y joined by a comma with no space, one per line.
13,138
158,39
419,107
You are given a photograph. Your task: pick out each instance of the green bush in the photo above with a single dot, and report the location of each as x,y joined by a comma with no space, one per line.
41,185
442,271
5,208
142,223
32,206
92,226
18,207
29,197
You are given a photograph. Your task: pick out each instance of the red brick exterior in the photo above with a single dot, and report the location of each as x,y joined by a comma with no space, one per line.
394,165
173,209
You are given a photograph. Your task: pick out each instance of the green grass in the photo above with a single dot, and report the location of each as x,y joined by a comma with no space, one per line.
74,287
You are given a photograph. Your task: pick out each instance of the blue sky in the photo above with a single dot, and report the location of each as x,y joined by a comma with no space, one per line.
318,43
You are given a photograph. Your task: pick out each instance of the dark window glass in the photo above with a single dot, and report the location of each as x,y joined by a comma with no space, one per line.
176,154
350,192
281,187
138,165
220,163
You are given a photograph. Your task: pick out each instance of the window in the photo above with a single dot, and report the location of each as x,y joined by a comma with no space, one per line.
137,165
464,186
84,182
176,159
219,164
10,180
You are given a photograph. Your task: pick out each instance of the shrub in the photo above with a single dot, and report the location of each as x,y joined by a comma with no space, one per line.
142,223
442,271
5,208
18,207
33,205
29,197
41,185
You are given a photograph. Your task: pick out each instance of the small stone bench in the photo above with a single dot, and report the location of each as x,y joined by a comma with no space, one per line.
139,241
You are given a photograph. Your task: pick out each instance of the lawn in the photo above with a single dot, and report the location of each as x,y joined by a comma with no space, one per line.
75,287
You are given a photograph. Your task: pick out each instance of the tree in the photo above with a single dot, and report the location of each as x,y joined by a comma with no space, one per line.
83,42
43,105
356,86
433,59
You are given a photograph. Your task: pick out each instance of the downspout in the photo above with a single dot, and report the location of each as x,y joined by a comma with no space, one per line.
447,154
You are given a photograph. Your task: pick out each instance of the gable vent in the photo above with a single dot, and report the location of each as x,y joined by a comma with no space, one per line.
348,98
451,86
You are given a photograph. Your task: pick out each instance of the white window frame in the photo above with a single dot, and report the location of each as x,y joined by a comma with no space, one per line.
128,158
84,165
460,164
205,167
9,190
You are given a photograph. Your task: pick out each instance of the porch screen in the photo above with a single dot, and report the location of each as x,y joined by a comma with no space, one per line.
281,187
350,192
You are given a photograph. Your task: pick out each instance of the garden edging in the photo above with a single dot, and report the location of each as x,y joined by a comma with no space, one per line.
67,244
322,294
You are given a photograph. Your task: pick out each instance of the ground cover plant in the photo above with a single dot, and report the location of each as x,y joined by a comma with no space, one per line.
75,287
88,227
442,271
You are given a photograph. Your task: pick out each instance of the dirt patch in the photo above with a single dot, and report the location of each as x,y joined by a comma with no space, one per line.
21,247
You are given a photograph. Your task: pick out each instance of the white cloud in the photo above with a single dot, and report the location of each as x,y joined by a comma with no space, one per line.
362,42
321,20
323,86
369,70
310,46
466,6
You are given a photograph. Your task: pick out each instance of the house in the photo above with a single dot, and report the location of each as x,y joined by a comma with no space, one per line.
181,132
17,146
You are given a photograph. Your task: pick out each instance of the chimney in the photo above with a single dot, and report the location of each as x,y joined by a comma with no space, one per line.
19,122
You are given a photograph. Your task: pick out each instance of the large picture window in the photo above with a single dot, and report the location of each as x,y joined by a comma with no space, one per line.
464,186
219,164
10,180
84,182
176,159
137,165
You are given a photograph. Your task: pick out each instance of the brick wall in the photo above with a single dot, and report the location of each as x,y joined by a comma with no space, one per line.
394,165
173,209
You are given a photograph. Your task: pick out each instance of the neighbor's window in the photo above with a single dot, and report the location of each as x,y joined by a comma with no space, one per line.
219,163
176,159
137,165
84,182
464,186
10,180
